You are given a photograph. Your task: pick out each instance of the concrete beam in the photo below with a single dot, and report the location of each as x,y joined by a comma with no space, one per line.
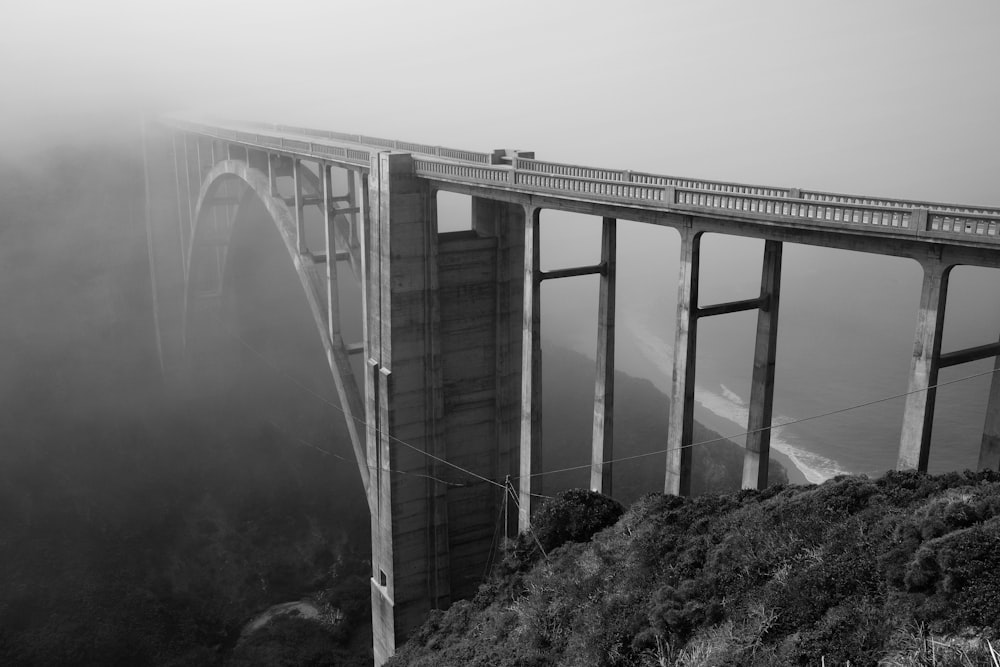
969,354
758,442
732,306
602,444
572,272
681,425
918,414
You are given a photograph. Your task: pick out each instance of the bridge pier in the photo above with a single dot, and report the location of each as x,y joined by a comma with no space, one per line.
531,371
918,414
442,312
681,421
758,443
602,447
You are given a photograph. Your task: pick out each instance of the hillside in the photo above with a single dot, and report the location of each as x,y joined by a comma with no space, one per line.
895,571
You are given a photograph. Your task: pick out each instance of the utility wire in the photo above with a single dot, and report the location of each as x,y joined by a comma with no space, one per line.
361,422
768,428
513,496
327,452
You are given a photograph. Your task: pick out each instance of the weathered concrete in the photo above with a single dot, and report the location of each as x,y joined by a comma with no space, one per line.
681,424
758,443
918,414
602,446
531,373
989,450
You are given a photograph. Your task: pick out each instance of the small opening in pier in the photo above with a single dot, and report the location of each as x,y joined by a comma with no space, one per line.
454,212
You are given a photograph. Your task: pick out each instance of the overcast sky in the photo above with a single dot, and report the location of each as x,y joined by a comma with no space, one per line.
895,97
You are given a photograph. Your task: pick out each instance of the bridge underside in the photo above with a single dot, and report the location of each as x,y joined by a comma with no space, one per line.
446,404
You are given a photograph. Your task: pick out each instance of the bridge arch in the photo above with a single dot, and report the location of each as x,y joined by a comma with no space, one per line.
311,277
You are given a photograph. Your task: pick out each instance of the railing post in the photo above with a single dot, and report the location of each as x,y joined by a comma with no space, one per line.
758,442
681,424
918,414
602,447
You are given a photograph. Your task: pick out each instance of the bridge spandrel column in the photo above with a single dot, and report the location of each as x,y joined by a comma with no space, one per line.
918,414
602,443
681,422
531,372
989,451
758,442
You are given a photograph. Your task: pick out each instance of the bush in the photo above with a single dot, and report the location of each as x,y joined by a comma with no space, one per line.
574,515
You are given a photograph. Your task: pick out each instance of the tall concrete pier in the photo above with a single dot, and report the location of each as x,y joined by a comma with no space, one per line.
442,391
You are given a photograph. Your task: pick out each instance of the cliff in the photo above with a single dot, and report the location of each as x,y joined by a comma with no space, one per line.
896,571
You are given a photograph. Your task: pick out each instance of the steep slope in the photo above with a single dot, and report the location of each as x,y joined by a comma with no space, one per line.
855,571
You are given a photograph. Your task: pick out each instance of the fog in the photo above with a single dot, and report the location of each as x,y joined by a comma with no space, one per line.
897,98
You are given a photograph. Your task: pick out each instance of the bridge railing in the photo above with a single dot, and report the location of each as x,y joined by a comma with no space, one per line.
381,142
359,156
898,216
813,195
643,178
762,203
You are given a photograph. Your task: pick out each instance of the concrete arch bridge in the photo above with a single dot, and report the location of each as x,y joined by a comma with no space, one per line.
449,354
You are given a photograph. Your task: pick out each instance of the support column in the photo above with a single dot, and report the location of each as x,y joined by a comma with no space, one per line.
333,289
918,415
604,386
531,371
182,237
758,442
505,222
300,232
989,450
681,425
272,177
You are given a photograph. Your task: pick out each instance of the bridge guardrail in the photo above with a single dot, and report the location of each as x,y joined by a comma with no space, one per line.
898,216
814,195
394,144
876,218
642,178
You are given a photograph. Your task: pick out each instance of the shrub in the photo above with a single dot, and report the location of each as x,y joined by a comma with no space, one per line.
574,515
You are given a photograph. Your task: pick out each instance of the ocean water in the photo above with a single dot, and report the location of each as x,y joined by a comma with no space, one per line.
863,440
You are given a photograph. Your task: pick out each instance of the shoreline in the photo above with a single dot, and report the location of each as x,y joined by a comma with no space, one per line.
644,357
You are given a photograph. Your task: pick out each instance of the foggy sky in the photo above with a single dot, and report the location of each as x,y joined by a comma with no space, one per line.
895,97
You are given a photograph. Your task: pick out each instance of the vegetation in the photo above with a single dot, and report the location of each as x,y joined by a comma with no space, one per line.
896,571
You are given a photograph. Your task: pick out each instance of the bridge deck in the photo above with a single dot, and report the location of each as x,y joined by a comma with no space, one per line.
873,217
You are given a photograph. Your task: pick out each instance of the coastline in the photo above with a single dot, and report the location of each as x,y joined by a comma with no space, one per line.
722,411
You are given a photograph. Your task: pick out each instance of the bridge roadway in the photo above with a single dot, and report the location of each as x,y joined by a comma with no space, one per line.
452,320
